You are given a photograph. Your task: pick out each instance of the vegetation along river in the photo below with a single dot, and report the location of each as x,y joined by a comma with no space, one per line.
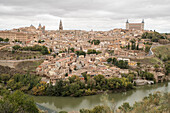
75,104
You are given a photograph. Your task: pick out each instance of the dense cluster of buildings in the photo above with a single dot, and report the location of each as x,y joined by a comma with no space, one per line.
64,62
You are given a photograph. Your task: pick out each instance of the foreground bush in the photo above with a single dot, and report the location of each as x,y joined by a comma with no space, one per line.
17,102
154,103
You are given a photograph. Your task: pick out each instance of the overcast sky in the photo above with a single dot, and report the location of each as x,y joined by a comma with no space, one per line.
85,14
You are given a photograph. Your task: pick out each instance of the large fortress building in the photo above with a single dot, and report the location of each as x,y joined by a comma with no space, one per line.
12,36
135,26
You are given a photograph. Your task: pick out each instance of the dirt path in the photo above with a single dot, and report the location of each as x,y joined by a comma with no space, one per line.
4,46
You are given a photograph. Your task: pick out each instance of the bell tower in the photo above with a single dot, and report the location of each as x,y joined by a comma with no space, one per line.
60,26
127,24
142,26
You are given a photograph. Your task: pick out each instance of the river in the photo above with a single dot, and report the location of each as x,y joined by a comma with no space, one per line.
75,104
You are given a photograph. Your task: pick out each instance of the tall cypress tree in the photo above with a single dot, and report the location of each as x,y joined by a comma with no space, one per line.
128,46
137,48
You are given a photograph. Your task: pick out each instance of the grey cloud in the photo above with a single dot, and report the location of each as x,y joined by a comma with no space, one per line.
110,10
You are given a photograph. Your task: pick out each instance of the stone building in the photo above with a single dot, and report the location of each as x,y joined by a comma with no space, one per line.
40,28
12,36
135,26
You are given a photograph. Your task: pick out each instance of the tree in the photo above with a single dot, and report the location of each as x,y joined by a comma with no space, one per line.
109,60
58,87
133,46
39,41
137,47
44,50
72,49
74,87
100,81
114,60
6,106
39,89
97,109
18,58
147,49
22,102
72,78
85,77
156,67
125,107
51,50
11,84
5,77
160,56
63,112
66,74
80,53
16,47
17,102
98,52
6,40
138,64
91,51
122,64
1,39
96,42
111,52
128,46
133,41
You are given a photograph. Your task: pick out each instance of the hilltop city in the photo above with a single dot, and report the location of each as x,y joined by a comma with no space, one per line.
66,53
76,63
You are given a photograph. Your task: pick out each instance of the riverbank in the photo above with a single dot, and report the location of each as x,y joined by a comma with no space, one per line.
75,104
153,103
73,87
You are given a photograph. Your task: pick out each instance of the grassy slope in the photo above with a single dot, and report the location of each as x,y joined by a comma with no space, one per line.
8,70
164,51
21,68
29,66
7,55
150,61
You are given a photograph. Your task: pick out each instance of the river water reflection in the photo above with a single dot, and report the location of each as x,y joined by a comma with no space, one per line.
75,104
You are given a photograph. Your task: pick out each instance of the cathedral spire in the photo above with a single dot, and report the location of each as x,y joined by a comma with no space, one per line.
60,26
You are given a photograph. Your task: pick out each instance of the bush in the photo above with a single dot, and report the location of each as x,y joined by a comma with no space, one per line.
6,40
96,42
121,64
125,107
13,51
16,47
155,36
80,53
63,112
18,58
147,48
1,39
18,102
42,49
